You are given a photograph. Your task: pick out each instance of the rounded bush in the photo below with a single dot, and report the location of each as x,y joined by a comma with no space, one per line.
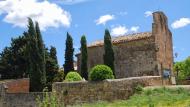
101,72
73,76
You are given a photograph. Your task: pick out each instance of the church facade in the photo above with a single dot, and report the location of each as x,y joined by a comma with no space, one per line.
139,54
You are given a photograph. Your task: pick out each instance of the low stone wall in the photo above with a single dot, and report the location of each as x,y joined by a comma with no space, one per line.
21,99
184,82
79,92
15,93
107,90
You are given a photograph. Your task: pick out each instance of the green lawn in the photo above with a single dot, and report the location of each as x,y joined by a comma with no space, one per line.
160,97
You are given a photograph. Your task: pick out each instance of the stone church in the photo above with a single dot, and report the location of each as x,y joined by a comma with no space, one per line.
139,54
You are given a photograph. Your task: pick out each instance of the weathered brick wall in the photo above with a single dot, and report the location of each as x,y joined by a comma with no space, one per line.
17,86
108,90
163,40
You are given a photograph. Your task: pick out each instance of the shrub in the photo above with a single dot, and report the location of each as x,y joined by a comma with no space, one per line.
73,76
59,77
101,72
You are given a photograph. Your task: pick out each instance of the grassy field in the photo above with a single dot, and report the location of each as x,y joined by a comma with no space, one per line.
160,97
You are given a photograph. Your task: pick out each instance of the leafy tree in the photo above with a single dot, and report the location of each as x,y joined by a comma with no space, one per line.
187,68
5,64
19,61
179,69
13,62
36,61
84,57
182,69
109,53
68,66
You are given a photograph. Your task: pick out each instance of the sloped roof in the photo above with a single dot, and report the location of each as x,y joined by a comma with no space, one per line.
125,38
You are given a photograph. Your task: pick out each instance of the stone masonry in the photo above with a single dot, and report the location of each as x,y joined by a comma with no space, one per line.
69,93
108,90
139,54
15,93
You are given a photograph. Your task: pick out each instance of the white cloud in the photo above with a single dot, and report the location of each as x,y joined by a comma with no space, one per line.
118,31
122,30
105,18
69,2
182,22
46,13
134,29
148,13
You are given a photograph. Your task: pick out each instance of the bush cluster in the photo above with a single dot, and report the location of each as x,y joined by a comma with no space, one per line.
73,76
59,77
101,72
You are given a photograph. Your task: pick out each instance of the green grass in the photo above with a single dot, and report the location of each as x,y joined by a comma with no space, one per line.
161,97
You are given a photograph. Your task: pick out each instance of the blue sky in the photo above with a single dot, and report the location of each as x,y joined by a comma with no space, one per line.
91,18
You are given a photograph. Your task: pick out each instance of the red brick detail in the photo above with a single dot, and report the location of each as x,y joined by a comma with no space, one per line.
17,86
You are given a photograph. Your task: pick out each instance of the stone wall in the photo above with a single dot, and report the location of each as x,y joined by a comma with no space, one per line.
21,99
15,93
133,58
107,90
81,92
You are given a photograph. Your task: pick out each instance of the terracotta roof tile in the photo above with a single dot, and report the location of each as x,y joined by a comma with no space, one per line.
121,39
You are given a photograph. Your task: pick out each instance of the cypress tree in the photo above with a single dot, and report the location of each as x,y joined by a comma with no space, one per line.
109,53
53,54
68,66
84,58
41,49
51,66
36,73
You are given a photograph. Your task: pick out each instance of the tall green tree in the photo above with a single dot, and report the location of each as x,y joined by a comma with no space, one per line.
109,52
51,66
68,66
36,70
41,50
53,54
84,58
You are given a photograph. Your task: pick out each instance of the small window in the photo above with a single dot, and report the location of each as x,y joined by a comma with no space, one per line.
166,74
